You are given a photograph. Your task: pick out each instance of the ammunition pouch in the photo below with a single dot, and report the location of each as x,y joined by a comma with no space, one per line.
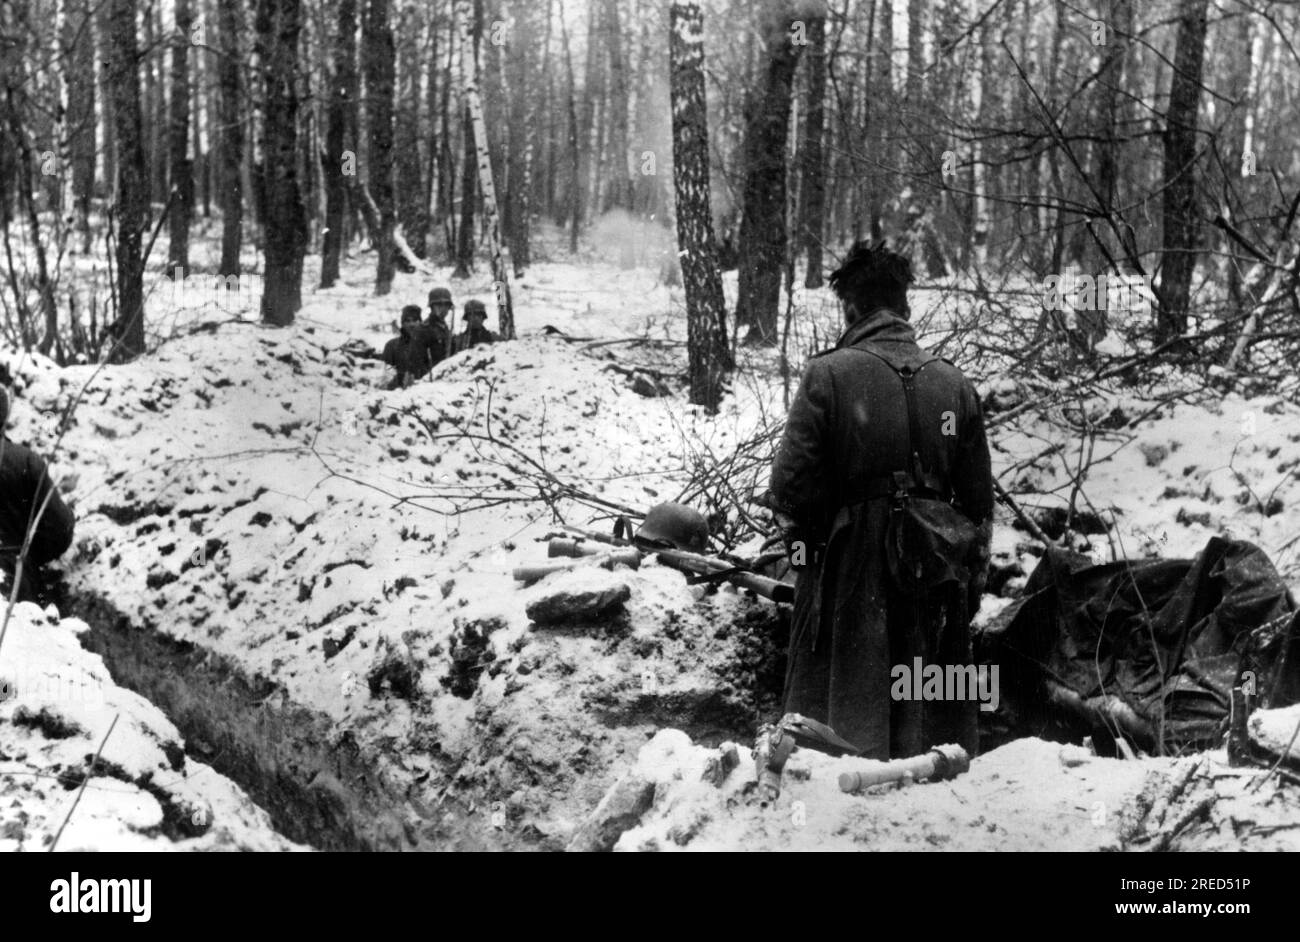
928,543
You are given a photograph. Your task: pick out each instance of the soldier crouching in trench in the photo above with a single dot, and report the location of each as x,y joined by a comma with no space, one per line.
24,486
883,491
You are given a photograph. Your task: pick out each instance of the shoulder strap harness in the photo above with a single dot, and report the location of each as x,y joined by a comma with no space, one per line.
913,481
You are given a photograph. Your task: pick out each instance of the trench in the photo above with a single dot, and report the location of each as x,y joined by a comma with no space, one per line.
324,788
319,788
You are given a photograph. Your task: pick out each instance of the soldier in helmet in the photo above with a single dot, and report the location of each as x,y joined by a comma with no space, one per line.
475,332
436,326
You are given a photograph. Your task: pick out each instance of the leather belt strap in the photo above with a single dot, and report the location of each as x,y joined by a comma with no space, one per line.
914,483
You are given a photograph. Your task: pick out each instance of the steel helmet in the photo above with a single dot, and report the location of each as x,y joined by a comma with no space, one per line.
675,525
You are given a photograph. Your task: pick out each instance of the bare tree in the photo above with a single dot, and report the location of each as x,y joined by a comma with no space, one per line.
230,136
378,56
340,156
762,238
619,193
1181,215
410,199
182,170
812,187
575,148
81,112
132,203
590,132
278,25
701,277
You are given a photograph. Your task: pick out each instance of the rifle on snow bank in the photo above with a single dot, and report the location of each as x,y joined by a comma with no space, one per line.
700,569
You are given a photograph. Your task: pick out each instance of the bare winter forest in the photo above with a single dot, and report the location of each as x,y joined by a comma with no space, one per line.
350,350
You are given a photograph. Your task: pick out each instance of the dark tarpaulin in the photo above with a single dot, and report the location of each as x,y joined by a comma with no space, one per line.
1149,649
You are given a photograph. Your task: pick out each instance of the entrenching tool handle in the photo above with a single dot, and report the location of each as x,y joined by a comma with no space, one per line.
942,762
573,549
605,559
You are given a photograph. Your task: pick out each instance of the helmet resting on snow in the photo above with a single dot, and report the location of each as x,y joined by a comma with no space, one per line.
675,525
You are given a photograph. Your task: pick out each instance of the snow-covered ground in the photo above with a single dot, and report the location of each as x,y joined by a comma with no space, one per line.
59,709
343,555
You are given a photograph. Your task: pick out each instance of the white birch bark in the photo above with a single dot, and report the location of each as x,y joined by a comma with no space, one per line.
469,80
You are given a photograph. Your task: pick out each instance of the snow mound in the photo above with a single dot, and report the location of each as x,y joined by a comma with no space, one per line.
57,707
1026,795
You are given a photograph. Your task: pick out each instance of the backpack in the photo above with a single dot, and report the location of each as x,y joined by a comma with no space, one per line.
928,541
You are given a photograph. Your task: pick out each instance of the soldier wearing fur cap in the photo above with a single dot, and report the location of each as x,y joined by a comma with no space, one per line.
408,352
884,494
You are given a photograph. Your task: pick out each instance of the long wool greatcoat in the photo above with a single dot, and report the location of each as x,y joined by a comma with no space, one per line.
850,626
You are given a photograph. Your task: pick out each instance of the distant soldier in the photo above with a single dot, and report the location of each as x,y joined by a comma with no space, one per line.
29,501
408,353
440,307
883,491
474,333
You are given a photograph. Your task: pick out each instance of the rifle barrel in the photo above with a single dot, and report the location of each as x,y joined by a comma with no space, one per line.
769,588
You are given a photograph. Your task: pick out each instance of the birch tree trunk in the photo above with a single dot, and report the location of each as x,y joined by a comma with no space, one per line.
702,279
980,93
500,278
468,194
430,198
107,122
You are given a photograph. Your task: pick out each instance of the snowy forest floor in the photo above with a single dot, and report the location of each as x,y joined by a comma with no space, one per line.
311,576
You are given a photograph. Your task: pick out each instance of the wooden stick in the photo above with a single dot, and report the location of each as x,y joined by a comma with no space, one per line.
82,790
530,574
942,762
1023,517
770,589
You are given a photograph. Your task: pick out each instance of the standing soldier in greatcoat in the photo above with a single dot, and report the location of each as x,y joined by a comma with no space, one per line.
883,490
